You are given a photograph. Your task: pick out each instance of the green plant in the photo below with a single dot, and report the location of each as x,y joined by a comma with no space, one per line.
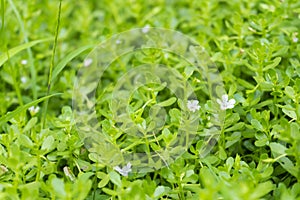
244,148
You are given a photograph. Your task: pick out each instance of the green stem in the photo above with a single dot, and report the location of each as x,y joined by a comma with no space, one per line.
297,109
38,173
185,120
276,108
15,82
222,136
147,145
181,194
2,16
52,64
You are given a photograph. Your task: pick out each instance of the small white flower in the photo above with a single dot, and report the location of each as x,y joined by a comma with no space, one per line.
125,170
193,105
251,29
87,62
118,42
166,55
224,103
3,169
23,79
33,110
146,28
69,173
24,62
294,37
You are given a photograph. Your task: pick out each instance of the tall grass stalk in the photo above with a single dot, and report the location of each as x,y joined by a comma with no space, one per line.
51,65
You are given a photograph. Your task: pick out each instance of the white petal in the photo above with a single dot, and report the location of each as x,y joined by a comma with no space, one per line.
295,39
87,62
225,98
23,79
230,106
146,29
124,173
117,168
24,62
125,170
195,102
37,109
223,107
31,108
193,105
231,101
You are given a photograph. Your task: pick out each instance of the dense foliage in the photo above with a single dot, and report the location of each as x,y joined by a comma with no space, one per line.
254,45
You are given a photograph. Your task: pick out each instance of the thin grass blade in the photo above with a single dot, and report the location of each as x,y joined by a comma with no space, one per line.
12,114
62,64
15,50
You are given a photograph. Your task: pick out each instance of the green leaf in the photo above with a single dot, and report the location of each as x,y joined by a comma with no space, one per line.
261,190
252,68
61,65
30,190
103,182
274,63
257,125
267,172
232,119
262,139
115,178
160,191
290,92
235,137
25,141
235,127
222,153
59,187
296,189
289,111
295,131
261,142
289,166
245,83
208,177
4,56
110,192
31,123
48,143
277,149
16,112
175,115
188,71
239,98
167,136
168,102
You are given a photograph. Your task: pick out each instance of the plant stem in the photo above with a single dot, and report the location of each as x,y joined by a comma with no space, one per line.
51,65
